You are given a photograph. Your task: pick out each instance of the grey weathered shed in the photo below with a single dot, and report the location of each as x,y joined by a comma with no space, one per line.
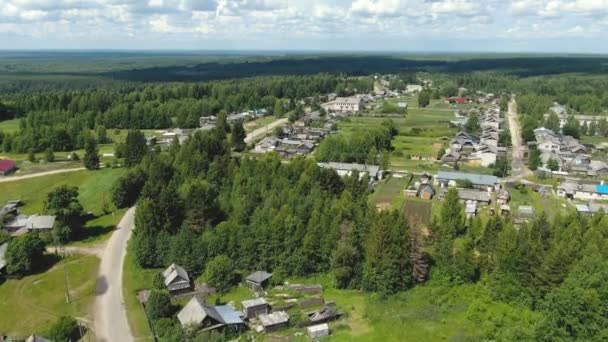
255,307
258,280
274,321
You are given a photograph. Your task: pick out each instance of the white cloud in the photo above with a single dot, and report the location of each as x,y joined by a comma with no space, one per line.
458,7
299,21
376,7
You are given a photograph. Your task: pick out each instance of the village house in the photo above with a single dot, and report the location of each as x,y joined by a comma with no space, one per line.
426,191
7,167
472,195
22,224
207,317
346,169
592,209
258,280
586,192
207,123
479,181
502,197
413,88
450,157
177,279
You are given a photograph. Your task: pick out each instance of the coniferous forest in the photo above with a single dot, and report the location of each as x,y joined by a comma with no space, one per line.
207,207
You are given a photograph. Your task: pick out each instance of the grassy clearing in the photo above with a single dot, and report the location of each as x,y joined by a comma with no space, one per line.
94,189
421,132
425,313
388,193
418,211
135,279
9,126
257,123
32,304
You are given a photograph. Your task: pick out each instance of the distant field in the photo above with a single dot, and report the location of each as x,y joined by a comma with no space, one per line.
94,188
32,304
9,126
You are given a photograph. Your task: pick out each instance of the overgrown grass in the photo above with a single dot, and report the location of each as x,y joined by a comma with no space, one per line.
135,279
33,303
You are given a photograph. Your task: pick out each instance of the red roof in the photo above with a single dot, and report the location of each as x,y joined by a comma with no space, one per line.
7,165
460,100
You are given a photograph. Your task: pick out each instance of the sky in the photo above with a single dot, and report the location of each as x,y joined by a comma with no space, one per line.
568,26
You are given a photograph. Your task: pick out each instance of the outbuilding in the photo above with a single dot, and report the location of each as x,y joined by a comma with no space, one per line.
274,321
317,331
255,307
258,280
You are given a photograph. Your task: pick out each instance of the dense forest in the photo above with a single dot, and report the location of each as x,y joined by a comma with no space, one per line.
212,213
57,119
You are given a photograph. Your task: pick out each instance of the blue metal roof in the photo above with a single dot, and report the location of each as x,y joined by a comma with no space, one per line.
602,189
229,316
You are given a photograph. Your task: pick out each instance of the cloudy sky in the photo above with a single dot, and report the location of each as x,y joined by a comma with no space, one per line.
360,25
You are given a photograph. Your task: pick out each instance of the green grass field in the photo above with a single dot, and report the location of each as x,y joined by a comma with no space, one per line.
33,303
9,126
94,187
257,123
388,193
135,279
424,313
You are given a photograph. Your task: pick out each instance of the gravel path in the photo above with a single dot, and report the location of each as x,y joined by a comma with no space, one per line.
111,323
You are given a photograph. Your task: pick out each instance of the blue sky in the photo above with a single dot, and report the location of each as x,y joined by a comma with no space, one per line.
573,26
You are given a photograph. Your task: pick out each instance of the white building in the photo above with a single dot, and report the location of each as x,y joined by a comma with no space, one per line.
347,169
344,104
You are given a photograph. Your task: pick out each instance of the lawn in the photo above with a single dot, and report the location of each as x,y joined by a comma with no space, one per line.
135,279
33,303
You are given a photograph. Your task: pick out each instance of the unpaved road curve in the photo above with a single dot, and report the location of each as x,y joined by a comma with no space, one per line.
39,174
260,132
111,323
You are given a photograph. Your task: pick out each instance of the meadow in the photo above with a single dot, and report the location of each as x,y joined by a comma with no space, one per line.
33,303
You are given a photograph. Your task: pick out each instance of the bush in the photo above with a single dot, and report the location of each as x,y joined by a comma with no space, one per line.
159,305
220,274
64,329
23,253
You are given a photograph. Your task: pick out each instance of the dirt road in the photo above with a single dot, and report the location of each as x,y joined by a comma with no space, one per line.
111,323
39,174
262,131
519,169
